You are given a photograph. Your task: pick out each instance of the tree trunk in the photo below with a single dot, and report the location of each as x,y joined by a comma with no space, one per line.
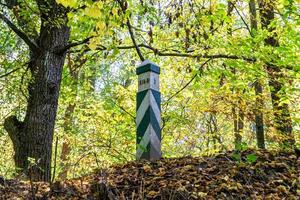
68,118
237,113
241,118
65,151
260,135
283,121
238,127
33,137
66,148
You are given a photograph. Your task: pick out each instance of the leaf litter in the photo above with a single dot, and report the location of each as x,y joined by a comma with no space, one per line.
271,175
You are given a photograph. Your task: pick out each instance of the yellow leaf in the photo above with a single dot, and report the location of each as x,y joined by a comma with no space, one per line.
70,15
152,194
93,43
100,25
115,11
92,46
93,11
147,168
99,4
202,194
67,3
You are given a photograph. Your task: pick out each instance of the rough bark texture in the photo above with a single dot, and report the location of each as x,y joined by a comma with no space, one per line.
283,122
15,130
259,122
33,137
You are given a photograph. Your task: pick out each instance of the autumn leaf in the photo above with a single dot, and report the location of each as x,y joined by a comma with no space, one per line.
67,3
152,194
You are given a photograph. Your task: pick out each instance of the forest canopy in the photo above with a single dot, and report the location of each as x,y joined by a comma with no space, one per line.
229,79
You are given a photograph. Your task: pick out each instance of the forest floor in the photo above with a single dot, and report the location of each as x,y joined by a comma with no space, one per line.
247,175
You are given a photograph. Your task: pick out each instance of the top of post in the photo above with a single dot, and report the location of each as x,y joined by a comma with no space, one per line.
147,66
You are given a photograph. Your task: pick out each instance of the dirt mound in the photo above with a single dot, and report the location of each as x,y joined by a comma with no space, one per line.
247,175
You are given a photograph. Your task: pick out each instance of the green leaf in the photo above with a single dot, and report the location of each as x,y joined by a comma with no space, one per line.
251,158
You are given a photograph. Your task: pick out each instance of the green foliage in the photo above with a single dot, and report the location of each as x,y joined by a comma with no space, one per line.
97,98
251,158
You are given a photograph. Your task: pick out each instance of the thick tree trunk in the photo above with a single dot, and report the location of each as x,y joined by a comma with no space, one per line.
283,122
33,137
43,100
260,135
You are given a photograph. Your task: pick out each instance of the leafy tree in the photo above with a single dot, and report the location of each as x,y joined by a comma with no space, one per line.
46,40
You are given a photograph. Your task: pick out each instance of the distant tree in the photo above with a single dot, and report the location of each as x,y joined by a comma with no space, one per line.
259,122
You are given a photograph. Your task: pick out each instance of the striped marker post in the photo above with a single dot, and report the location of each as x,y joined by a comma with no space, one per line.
148,111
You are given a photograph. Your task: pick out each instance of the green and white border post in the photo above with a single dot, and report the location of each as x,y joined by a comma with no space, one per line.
148,112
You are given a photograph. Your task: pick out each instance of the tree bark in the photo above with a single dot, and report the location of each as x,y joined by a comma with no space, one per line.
238,126
260,135
33,137
283,121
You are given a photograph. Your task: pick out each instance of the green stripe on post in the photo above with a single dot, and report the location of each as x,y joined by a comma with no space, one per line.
147,68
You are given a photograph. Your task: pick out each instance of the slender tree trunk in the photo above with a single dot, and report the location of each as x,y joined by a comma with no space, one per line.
33,137
68,118
237,127
260,137
241,118
237,113
283,121
66,148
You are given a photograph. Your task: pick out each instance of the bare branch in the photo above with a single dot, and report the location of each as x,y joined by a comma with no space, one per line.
74,44
189,82
3,4
198,56
20,33
189,55
242,18
8,73
123,5
178,54
138,50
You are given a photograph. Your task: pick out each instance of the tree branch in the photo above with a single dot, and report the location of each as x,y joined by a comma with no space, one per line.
74,44
189,55
20,33
189,82
8,73
186,55
3,4
123,5
247,26
138,50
